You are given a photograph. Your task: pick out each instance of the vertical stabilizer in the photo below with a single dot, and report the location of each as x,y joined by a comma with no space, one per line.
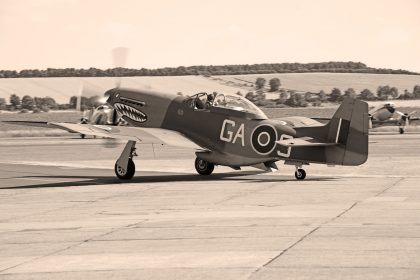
349,129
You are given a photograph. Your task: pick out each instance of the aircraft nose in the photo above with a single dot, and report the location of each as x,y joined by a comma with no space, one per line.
111,94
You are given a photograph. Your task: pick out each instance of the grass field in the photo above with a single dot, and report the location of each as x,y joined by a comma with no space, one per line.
61,89
315,82
10,130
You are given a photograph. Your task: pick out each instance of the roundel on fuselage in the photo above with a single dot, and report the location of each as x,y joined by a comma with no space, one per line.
263,139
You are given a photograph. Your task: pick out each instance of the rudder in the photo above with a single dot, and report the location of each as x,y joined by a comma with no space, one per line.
349,129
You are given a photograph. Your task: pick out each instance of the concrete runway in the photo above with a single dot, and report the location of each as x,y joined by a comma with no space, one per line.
63,215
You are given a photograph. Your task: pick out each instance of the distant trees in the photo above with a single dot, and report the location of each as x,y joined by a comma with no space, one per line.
283,97
2,103
406,95
207,71
27,102
259,83
322,96
85,102
15,100
411,95
416,91
335,95
350,92
45,103
274,84
296,100
385,92
366,94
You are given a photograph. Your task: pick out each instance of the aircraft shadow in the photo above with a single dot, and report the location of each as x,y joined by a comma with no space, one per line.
160,177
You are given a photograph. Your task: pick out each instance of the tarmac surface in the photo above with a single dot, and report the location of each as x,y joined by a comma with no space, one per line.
64,215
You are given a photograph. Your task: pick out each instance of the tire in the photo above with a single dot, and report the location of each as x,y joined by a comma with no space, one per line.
300,174
401,130
82,136
203,167
125,174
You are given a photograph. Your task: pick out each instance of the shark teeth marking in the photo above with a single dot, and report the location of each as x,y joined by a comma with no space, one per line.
131,112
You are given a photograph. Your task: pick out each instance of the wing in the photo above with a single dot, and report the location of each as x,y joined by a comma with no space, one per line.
414,121
390,122
303,142
139,134
298,121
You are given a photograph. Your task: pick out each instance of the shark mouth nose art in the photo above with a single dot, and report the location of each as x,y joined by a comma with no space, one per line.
131,112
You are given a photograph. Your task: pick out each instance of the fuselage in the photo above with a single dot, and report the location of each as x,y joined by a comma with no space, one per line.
228,135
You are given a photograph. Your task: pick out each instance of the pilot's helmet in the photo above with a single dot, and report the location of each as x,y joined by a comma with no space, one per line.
390,104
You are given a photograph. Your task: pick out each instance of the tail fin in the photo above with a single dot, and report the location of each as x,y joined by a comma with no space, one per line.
349,129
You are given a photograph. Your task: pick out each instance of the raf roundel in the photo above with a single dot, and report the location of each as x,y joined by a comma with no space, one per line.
263,139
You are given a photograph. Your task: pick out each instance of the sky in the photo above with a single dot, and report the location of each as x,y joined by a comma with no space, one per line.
164,33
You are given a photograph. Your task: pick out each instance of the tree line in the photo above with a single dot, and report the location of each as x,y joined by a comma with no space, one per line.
286,97
206,70
45,104
303,99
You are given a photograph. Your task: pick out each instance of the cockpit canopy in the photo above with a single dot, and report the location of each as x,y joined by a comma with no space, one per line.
389,104
201,101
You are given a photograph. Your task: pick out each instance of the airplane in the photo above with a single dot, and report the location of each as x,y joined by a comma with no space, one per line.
228,130
384,116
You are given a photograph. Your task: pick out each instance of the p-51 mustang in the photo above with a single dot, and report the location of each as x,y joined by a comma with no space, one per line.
384,116
229,130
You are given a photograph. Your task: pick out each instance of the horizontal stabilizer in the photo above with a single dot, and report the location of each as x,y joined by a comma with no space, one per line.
303,142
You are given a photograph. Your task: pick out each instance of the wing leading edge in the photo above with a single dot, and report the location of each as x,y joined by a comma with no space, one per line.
138,134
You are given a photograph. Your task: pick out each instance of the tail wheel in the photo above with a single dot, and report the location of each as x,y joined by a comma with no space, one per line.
203,167
125,174
300,174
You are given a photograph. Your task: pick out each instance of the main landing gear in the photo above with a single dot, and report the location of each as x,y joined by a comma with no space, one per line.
203,167
125,167
401,130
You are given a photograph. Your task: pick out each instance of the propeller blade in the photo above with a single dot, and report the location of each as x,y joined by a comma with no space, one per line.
119,56
79,98
110,143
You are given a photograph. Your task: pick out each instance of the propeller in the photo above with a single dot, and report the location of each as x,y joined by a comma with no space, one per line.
119,57
405,118
103,114
119,60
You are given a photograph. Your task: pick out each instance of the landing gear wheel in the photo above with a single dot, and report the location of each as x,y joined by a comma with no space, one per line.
300,174
203,167
401,130
125,174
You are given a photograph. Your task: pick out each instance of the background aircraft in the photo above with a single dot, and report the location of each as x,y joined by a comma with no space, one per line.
384,116
229,130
